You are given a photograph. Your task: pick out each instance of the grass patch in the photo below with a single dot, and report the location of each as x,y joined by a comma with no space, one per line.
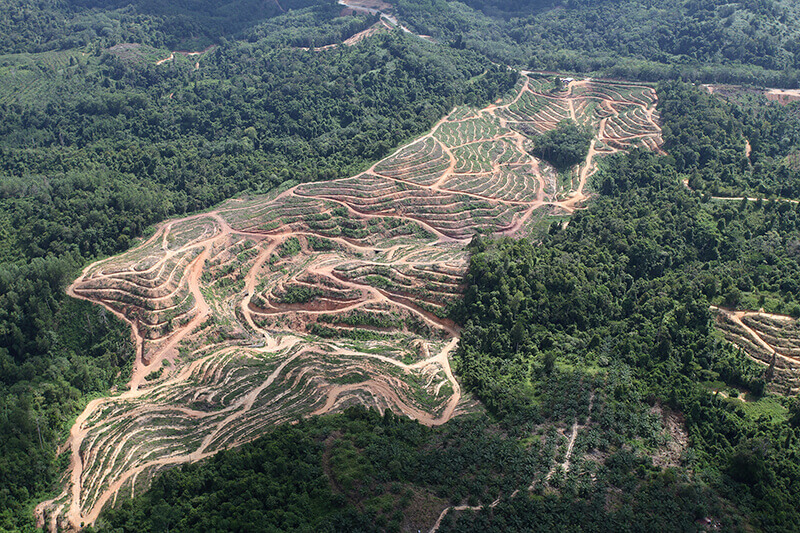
768,407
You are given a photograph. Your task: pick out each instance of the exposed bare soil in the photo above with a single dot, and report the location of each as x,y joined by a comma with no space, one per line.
782,96
185,53
371,6
675,425
769,339
356,38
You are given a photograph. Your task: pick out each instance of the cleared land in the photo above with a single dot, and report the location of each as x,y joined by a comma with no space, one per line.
772,340
322,295
782,96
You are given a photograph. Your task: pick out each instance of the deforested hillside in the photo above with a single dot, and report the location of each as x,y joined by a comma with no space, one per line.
327,294
104,139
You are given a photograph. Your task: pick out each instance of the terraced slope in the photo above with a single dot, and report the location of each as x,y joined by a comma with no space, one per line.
323,295
772,340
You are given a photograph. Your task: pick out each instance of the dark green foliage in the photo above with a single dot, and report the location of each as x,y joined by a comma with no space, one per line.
794,412
563,147
252,117
361,471
290,247
706,135
299,294
660,503
346,333
363,318
60,25
315,27
328,474
509,8
320,244
277,483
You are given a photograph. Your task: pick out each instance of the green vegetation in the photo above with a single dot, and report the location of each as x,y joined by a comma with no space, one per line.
289,248
753,41
364,472
363,318
299,294
355,333
625,290
563,147
319,244
54,25
706,135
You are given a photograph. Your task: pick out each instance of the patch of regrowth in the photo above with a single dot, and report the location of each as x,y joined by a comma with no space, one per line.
563,147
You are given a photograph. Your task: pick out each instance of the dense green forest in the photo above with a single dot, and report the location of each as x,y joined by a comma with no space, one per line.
748,41
706,136
563,147
48,25
359,471
96,146
752,41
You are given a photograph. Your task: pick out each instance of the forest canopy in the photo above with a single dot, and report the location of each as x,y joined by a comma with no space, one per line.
564,146
754,41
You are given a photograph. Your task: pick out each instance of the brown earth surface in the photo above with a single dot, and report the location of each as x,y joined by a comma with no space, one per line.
367,5
782,96
769,339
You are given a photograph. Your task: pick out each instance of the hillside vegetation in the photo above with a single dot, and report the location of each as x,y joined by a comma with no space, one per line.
752,41
362,472
629,362
51,25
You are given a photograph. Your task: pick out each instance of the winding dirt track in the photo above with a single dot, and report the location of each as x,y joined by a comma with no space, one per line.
737,317
227,308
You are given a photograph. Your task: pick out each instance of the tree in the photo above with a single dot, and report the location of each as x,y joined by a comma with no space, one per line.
549,361
563,147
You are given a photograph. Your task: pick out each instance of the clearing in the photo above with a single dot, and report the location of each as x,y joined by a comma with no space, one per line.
769,339
318,296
